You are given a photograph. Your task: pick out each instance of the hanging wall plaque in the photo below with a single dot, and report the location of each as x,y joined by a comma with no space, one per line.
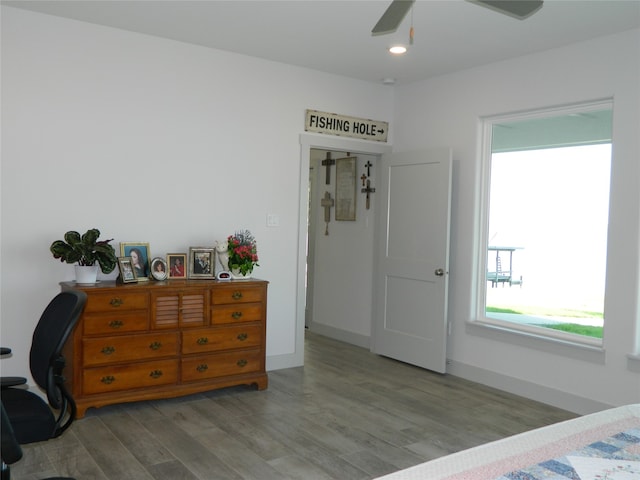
346,188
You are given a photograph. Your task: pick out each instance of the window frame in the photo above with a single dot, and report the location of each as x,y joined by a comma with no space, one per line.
486,125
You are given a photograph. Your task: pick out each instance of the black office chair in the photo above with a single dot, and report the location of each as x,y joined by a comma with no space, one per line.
10,449
30,416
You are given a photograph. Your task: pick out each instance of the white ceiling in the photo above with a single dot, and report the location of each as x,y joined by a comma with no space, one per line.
335,36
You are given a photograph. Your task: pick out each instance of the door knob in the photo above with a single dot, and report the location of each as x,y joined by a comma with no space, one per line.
439,272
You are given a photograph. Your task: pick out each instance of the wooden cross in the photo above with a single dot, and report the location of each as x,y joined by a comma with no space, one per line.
327,163
327,202
368,190
368,165
363,178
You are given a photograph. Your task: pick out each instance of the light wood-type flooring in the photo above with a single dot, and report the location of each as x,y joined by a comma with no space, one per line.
347,414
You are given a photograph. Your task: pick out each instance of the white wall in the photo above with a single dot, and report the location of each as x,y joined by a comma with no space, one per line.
446,111
151,140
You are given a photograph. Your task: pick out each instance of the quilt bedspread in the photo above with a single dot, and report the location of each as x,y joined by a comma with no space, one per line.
614,458
600,446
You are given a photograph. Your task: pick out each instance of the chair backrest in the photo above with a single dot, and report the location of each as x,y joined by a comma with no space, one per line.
52,331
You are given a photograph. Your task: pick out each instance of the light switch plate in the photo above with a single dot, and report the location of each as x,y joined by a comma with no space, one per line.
273,220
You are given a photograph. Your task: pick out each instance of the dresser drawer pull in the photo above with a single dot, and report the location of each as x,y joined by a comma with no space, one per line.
202,368
108,380
116,302
155,346
236,295
242,336
242,362
116,323
155,373
202,341
236,315
108,350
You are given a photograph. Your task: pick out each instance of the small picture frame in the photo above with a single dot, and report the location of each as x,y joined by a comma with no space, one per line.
201,262
140,255
159,269
177,264
127,272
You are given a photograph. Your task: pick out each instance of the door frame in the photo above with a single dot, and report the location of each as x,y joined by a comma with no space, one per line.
323,142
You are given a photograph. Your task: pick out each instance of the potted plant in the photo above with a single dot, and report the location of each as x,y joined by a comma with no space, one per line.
243,254
86,251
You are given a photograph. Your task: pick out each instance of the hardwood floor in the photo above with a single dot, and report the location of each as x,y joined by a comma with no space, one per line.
347,414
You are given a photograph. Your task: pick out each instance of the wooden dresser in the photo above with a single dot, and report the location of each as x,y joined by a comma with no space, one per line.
165,339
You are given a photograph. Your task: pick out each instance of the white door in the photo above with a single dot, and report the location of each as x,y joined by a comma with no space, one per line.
412,258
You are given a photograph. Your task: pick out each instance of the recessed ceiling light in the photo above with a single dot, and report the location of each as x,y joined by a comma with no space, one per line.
398,49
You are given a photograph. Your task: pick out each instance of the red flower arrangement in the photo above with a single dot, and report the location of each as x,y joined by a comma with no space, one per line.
243,252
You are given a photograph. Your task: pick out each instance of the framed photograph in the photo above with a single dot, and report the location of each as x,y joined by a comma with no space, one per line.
127,272
140,255
159,269
177,263
201,262
346,188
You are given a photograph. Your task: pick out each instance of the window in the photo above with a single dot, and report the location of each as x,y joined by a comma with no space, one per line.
545,210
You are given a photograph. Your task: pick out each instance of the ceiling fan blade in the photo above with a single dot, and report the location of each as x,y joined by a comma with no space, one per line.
391,19
519,9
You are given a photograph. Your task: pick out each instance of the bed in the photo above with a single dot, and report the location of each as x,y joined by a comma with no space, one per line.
599,446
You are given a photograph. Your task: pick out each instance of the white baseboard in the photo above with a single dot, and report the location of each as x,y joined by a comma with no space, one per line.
516,386
279,362
356,339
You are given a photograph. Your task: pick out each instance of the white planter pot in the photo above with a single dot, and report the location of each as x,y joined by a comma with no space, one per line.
236,275
86,275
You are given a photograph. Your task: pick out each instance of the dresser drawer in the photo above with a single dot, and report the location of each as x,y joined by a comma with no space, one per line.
220,365
243,312
110,302
123,348
237,294
227,338
120,322
127,377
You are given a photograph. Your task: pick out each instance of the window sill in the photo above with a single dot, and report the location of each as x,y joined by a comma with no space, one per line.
588,351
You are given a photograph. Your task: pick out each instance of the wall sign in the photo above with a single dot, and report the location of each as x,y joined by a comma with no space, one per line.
341,125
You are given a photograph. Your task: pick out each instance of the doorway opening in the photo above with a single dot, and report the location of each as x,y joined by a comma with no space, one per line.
335,270
340,239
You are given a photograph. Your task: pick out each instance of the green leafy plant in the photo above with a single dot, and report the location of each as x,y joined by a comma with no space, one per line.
243,252
85,250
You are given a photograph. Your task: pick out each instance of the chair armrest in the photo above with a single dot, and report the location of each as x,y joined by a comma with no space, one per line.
7,382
